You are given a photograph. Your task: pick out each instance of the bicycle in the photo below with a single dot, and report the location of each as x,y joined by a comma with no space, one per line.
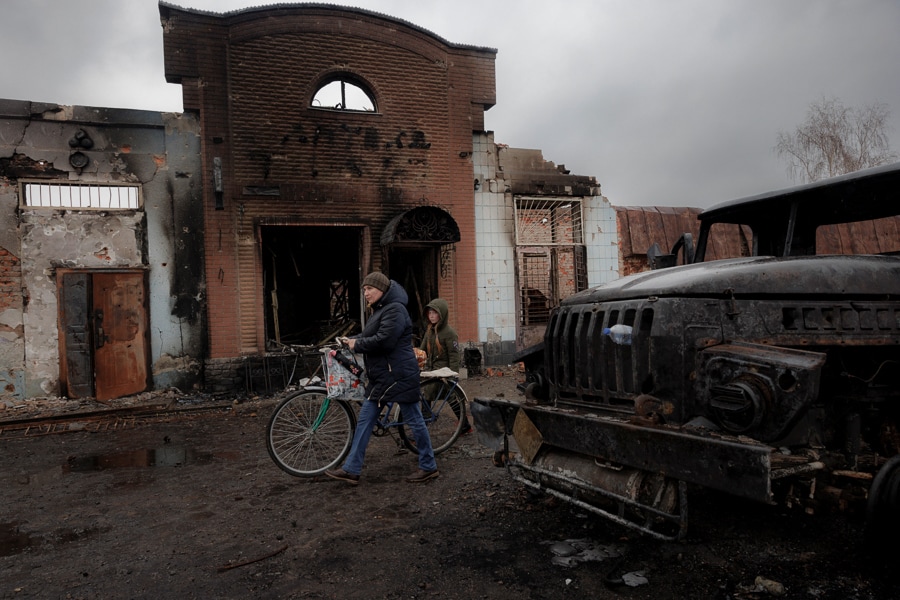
310,432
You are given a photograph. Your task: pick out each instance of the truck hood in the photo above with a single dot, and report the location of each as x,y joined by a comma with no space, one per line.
822,276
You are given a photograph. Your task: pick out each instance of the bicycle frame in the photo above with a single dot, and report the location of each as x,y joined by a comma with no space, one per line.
385,420
438,404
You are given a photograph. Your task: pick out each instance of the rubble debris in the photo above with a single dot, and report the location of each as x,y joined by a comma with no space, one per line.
635,579
773,588
44,416
569,553
229,566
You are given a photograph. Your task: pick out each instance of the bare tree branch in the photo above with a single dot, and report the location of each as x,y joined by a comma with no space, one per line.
835,139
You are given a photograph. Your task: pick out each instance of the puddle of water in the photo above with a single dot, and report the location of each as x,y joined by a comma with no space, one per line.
168,456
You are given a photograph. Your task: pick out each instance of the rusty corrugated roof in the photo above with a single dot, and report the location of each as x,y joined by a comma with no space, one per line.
640,226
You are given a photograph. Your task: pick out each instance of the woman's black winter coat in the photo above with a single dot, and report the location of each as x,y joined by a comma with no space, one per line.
386,342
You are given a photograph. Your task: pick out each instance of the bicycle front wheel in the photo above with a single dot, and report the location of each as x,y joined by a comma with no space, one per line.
444,409
310,433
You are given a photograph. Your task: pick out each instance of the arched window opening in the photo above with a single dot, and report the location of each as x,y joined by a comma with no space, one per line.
344,94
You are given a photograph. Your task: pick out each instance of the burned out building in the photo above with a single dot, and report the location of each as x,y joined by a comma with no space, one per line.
317,143
101,273
335,141
338,141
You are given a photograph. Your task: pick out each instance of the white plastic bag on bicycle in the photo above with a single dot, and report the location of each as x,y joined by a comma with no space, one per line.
340,381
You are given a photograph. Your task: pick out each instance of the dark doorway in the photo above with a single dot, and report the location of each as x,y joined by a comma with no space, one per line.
416,240
416,269
311,283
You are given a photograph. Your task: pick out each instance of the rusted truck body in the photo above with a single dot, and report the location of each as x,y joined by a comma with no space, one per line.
773,376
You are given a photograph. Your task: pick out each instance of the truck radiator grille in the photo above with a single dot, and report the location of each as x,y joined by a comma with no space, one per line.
586,367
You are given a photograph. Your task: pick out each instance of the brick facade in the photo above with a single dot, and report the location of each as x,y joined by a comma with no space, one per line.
251,76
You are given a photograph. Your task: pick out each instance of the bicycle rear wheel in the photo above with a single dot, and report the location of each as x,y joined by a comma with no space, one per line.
444,409
309,433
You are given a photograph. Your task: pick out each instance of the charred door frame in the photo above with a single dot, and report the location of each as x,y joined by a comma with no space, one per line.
364,238
420,235
78,330
417,268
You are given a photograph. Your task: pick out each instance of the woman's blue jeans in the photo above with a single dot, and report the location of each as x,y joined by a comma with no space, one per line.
412,420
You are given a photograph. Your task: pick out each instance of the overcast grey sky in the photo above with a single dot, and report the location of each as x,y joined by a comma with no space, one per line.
666,102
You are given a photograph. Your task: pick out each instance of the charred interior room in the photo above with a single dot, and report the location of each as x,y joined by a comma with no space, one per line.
311,283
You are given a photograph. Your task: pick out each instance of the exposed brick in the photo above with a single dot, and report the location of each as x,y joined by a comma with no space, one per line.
251,77
10,281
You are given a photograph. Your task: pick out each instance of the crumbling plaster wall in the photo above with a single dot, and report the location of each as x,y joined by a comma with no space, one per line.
158,151
173,200
72,240
12,339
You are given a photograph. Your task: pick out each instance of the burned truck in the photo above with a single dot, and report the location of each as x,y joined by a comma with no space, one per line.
772,376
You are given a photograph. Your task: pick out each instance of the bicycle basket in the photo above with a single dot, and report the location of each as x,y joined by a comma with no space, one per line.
345,376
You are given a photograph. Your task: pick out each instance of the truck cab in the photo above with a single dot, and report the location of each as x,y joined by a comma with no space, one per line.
772,376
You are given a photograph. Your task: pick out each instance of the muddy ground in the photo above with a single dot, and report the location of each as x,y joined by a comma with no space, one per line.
186,503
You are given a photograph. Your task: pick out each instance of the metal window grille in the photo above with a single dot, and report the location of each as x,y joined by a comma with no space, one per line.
81,195
551,255
545,222
536,287
340,300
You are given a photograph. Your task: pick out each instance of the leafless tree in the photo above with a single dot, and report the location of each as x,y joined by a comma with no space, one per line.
836,139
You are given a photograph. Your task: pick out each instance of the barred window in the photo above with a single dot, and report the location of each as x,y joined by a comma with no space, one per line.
81,195
550,255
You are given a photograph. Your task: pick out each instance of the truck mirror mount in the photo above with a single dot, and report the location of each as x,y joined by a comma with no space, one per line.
659,260
685,243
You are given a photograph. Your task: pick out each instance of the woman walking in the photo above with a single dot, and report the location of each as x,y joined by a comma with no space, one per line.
393,372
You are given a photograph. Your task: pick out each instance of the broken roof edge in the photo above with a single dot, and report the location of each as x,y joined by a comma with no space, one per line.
325,6
528,172
77,113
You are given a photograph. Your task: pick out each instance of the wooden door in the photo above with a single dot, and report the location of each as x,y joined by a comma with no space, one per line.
104,347
120,342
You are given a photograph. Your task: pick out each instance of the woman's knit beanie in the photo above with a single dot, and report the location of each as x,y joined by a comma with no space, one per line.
377,280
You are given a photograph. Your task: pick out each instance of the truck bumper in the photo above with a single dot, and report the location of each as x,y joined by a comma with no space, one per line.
733,465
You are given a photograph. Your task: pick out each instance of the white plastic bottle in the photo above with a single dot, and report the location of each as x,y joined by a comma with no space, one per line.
620,334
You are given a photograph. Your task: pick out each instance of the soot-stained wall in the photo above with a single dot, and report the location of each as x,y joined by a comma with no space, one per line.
251,76
162,237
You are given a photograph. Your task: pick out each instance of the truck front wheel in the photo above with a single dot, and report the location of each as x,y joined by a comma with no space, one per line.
883,508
